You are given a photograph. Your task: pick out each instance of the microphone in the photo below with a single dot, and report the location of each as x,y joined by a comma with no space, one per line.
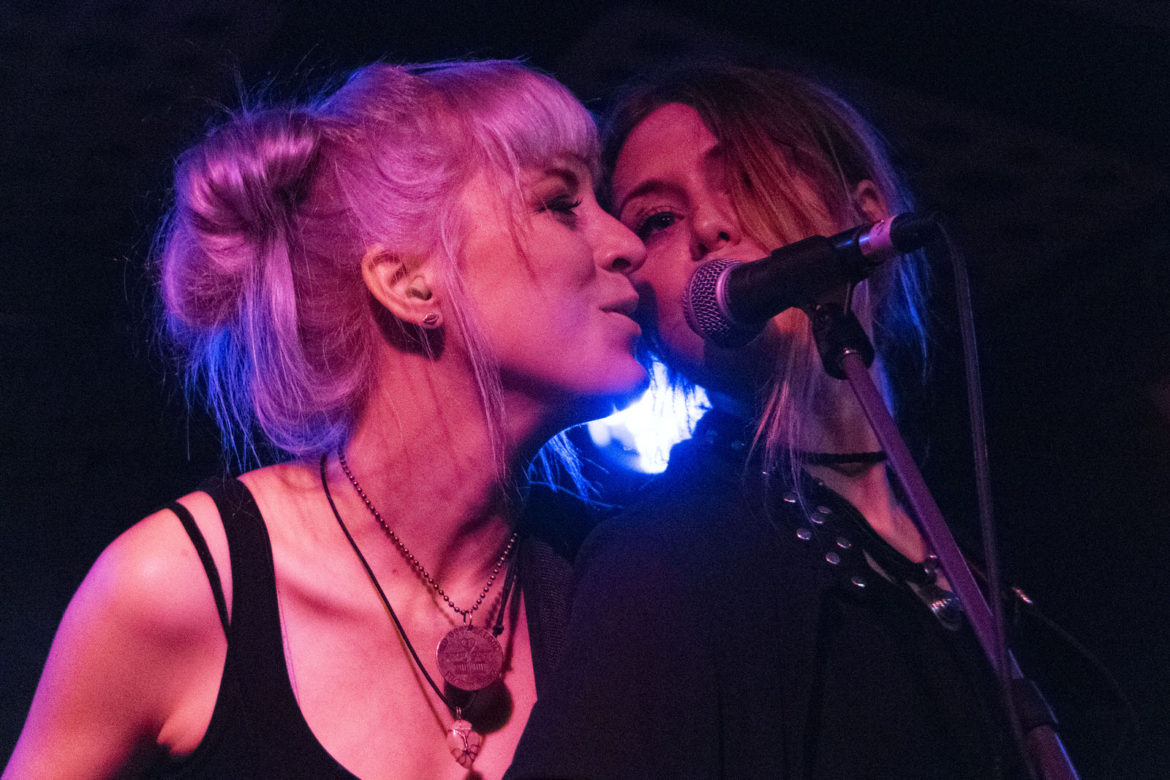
729,302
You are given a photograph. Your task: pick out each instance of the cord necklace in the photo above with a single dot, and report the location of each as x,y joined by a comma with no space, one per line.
469,657
462,739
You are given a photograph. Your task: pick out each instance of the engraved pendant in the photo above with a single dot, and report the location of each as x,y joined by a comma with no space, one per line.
464,742
470,658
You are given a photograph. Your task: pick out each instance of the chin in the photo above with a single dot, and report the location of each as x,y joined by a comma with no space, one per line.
616,394
638,378
634,391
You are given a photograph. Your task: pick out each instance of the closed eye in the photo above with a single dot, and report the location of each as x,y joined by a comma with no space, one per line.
563,207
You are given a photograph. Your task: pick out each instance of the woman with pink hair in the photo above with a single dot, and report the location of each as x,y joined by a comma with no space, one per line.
404,290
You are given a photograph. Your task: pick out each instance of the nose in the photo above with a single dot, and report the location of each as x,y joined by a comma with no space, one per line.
620,250
715,226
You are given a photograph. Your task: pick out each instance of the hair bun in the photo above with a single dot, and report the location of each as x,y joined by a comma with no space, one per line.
234,195
246,175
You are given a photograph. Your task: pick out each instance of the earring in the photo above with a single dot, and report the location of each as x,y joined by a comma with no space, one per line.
431,320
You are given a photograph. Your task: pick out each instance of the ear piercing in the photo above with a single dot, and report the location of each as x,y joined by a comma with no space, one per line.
431,320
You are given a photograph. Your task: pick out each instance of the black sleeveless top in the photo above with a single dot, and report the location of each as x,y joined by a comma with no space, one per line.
257,729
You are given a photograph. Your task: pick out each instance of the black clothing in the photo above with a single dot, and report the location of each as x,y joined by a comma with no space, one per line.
257,730
725,630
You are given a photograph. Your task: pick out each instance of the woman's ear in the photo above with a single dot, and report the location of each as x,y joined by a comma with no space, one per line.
869,201
402,284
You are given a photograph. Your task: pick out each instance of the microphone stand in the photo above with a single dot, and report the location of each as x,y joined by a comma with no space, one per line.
847,353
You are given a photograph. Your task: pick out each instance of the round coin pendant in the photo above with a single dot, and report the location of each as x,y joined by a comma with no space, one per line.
470,658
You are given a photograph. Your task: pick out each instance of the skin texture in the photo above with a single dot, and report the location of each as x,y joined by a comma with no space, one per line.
558,320
135,668
669,189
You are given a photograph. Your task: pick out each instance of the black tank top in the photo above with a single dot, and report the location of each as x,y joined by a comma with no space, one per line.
257,729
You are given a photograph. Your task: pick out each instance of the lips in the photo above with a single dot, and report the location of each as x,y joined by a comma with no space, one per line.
625,309
626,306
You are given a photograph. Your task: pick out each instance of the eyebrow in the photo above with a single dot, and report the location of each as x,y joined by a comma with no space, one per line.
565,173
648,187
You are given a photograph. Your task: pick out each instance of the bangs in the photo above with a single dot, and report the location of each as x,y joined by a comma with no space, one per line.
542,124
518,119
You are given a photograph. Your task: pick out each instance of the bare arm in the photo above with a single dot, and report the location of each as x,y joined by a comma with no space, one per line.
135,664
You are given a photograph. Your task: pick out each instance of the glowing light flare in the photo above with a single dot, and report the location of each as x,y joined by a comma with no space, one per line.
640,436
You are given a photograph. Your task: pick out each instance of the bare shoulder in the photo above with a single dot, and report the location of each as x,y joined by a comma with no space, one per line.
137,658
291,502
284,483
149,591
154,574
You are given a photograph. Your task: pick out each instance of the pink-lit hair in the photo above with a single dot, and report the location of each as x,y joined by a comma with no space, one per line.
260,255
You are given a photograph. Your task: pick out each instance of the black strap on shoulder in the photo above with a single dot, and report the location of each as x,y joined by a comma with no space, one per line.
205,558
279,743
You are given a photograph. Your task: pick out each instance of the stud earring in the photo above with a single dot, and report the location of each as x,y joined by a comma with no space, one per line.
431,320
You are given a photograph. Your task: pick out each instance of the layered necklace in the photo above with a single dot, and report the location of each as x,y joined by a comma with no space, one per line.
469,657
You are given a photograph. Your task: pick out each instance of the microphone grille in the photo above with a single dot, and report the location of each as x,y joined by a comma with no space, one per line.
705,311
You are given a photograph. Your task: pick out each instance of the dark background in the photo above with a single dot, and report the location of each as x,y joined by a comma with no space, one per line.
1040,128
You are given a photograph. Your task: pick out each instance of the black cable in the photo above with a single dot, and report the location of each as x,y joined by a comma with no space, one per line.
981,462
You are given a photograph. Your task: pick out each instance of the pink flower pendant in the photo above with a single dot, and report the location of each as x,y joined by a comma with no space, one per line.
464,743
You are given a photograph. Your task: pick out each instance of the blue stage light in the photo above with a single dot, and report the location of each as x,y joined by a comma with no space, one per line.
640,436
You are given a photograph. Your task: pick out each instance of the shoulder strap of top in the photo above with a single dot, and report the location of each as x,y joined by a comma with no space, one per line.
281,742
205,558
256,647
256,729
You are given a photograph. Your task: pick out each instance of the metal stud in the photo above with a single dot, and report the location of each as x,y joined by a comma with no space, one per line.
844,543
820,515
804,534
833,558
858,581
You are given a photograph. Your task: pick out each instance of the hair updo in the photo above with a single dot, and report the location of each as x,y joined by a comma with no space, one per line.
260,256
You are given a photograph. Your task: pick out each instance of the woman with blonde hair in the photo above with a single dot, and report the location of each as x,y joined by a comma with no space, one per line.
768,609
405,288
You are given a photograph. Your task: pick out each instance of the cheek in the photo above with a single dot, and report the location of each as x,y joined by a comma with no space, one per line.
666,272
661,282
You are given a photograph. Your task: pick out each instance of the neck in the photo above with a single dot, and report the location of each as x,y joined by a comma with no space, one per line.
839,424
843,427
426,461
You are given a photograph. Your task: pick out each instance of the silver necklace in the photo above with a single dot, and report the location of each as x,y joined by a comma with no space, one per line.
469,657
463,740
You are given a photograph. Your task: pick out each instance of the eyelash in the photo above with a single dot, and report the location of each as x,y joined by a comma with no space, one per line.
562,205
646,224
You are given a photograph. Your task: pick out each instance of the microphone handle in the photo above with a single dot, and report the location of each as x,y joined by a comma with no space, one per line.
793,275
800,273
